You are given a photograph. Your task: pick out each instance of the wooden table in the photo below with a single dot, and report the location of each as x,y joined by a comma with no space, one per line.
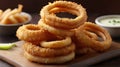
111,62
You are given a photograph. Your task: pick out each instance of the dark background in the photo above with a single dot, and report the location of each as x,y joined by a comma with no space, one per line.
92,6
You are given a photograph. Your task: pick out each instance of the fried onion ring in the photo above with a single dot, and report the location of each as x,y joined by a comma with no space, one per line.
56,31
56,44
47,60
66,23
47,52
33,33
98,45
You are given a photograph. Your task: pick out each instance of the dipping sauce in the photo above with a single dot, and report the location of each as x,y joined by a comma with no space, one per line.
110,21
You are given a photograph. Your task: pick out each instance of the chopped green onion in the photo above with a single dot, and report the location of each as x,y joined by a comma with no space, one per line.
114,20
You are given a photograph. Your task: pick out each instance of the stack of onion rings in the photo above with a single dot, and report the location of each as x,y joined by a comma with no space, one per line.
56,40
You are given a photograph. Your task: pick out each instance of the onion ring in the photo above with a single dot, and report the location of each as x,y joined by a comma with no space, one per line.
33,33
65,23
92,43
56,31
56,44
47,52
57,60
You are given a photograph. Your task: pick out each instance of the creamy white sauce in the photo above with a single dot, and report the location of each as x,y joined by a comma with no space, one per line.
111,21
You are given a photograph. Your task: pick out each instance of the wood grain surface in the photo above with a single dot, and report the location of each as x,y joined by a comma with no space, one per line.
15,57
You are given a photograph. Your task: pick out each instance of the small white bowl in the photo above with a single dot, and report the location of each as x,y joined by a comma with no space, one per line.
110,23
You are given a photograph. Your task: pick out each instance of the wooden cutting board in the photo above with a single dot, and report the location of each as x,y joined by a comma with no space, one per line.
15,57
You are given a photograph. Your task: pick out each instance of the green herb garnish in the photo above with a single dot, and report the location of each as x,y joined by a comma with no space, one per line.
6,46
